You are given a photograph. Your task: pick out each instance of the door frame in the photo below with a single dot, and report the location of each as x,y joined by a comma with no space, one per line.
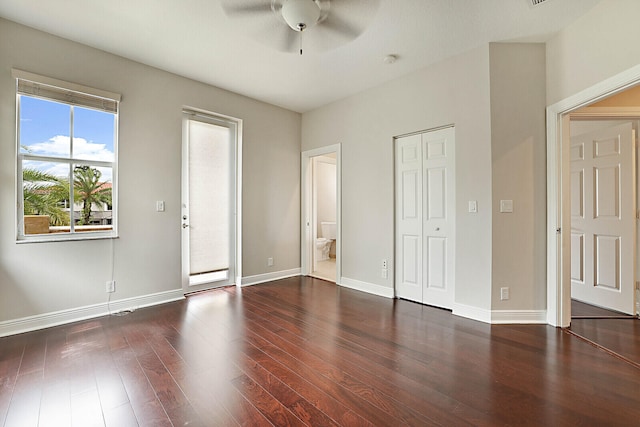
237,208
559,191
306,220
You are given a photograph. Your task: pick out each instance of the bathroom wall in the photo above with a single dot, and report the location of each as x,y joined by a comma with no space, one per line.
325,181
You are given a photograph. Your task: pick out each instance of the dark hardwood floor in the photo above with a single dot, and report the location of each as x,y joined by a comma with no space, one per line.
581,310
302,351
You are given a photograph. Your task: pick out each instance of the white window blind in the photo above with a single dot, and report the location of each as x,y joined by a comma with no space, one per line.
69,93
209,197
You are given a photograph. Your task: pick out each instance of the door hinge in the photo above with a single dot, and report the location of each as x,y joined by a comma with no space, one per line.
558,230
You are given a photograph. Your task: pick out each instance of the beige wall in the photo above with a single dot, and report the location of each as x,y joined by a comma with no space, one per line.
628,98
46,277
518,173
599,45
455,91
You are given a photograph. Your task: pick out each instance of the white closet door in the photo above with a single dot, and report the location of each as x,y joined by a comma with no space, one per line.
603,218
425,217
409,217
438,152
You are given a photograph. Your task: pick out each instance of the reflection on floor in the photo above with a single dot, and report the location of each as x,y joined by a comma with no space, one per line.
581,310
610,331
326,270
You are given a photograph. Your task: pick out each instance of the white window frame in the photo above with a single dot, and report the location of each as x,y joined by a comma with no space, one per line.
76,96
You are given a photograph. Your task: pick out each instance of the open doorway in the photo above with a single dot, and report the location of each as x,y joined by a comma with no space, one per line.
604,183
321,213
562,241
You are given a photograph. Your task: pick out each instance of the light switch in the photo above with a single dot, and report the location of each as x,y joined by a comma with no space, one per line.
506,206
473,206
160,206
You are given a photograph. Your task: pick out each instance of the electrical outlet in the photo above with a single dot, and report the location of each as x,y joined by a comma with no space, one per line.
384,264
269,262
504,293
160,206
111,286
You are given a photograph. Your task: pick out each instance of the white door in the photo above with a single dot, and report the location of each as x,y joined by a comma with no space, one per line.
603,218
409,217
438,152
208,202
425,215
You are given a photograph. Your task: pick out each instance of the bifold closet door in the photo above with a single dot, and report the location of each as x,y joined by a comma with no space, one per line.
425,217
409,217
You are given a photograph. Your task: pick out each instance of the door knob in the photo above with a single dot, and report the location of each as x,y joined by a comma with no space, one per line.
184,217
185,225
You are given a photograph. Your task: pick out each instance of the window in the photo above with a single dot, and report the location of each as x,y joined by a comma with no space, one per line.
66,160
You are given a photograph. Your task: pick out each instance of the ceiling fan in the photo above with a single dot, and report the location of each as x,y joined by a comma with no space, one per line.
324,23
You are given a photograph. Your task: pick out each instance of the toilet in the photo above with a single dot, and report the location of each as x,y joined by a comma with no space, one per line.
323,244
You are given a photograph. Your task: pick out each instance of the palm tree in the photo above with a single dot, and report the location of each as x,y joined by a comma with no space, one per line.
43,193
89,190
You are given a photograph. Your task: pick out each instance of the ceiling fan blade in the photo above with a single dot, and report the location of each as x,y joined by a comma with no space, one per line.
234,8
338,25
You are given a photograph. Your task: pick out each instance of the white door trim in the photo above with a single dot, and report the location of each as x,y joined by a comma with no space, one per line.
558,191
238,188
306,233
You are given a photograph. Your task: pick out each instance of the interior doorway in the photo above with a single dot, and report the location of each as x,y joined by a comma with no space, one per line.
559,203
321,231
603,208
210,187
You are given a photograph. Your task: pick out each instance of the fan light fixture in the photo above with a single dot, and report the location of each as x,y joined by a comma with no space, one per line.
300,14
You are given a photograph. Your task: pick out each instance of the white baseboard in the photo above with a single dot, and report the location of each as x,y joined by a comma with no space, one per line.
519,317
370,288
470,312
501,317
268,277
47,320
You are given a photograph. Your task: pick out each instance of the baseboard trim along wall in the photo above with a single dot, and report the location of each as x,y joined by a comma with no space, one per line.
473,313
501,317
268,277
47,320
370,288
519,317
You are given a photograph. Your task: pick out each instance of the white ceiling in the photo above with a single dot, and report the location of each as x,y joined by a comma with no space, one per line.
196,39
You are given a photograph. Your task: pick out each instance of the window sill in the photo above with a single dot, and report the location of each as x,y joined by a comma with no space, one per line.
67,238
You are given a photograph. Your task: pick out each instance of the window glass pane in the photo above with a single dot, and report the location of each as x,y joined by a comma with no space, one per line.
93,134
92,210
45,190
44,127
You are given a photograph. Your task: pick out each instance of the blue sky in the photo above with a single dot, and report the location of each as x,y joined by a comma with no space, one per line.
45,130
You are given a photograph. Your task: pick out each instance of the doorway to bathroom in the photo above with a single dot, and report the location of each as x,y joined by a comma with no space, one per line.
321,229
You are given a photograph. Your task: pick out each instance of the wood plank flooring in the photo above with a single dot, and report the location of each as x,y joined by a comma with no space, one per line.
301,352
581,310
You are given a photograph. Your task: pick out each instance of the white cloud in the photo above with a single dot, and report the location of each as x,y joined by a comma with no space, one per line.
58,146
